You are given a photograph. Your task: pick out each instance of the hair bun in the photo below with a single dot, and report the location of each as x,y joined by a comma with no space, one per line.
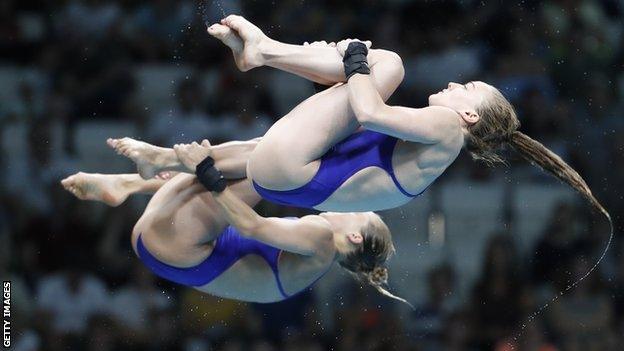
378,276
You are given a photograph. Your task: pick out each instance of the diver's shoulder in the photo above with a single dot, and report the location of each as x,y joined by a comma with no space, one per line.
448,122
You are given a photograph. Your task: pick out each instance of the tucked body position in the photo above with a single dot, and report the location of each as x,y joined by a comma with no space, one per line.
344,149
200,230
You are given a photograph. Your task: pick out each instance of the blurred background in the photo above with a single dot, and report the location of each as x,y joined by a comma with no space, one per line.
479,252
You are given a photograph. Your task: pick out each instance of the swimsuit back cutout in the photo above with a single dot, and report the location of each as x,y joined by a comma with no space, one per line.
230,247
358,151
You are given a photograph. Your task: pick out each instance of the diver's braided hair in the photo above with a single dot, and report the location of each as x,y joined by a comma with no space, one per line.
378,277
498,127
367,261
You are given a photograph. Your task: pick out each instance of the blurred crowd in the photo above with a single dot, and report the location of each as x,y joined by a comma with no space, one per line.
76,283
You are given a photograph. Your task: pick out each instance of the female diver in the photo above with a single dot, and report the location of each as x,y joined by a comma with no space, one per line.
318,157
216,243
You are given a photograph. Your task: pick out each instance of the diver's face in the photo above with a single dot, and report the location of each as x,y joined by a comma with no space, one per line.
462,96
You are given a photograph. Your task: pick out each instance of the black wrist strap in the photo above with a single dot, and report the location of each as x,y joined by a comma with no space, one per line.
209,176
354,59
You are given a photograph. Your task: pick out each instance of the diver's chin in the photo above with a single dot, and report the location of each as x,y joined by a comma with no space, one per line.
433,100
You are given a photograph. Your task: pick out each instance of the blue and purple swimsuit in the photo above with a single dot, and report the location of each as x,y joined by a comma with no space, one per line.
356,152
229,247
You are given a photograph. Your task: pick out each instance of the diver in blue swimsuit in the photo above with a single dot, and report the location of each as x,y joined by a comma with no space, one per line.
318,156
357,152
200,231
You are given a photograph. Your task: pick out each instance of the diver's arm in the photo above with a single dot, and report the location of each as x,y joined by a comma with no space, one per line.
305,236
428,125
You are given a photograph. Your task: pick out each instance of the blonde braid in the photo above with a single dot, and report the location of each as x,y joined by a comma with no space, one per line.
379,277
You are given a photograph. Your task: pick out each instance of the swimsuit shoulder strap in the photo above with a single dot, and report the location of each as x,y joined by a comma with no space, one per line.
275,270
387,151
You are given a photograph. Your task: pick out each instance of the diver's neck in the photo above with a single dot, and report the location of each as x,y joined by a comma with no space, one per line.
340,223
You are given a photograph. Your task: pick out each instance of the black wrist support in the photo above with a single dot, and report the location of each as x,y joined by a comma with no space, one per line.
355,59
209,176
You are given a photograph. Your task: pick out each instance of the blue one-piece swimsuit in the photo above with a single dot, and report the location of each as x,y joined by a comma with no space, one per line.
358,151
230,247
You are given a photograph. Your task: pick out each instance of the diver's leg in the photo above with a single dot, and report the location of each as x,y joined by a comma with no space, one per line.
231,157
287,156
318,63
111,189
182,217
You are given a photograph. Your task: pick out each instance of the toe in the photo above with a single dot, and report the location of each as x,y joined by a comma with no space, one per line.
234,21
65,183
218,30
113,143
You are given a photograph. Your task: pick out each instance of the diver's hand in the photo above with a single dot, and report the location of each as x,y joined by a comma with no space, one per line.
342,45
190,155
321,43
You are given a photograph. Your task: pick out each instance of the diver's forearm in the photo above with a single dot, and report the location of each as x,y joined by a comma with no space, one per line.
237,212
364,98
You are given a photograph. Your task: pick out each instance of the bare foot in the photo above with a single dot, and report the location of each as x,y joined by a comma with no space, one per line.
243,38
150,159
106,188
231,39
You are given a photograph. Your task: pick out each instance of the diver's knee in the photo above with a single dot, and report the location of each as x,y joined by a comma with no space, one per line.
257,158
148,222
140,226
